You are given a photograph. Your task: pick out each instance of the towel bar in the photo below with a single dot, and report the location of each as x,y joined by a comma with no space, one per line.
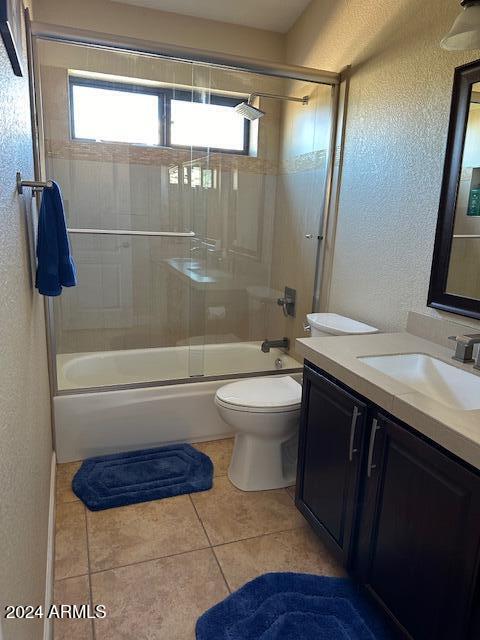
128,232
35,185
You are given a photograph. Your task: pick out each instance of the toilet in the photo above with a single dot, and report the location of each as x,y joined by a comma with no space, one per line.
264,412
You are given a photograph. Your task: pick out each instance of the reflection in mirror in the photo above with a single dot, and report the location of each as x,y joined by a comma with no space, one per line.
464,267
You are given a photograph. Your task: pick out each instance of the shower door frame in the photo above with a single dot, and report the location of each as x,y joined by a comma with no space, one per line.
42,31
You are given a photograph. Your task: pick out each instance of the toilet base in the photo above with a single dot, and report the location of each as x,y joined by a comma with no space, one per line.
259,464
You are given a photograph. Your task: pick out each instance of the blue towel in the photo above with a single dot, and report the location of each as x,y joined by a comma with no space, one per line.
56,268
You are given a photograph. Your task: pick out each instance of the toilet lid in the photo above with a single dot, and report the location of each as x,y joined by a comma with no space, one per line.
338,325
262,393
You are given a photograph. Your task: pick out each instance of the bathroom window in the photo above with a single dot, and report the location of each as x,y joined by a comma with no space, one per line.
104,111
107,112
212,124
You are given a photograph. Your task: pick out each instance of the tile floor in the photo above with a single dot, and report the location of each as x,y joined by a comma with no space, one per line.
159,565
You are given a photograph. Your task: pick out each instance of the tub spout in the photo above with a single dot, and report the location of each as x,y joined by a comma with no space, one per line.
284,343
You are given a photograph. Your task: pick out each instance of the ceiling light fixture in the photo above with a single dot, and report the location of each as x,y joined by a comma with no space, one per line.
465,32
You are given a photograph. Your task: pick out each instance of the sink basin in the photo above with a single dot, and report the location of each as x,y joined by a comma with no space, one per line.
434,378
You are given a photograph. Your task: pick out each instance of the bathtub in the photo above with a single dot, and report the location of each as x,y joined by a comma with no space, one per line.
156,410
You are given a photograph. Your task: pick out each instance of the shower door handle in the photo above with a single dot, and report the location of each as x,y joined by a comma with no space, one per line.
128,232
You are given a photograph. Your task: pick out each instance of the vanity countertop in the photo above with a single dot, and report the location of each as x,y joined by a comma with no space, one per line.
455,430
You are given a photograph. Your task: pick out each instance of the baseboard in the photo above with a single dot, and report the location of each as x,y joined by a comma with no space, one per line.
223,436
49,576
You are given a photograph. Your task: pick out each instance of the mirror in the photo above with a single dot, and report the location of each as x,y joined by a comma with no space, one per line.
464,266
455,278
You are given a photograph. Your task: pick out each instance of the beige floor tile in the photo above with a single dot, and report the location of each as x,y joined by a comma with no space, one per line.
71,557
229,514
158,600
144,531
72,591
65,473
299,550
220,451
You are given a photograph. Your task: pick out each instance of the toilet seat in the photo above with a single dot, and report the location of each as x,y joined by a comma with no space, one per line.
246,409
261,395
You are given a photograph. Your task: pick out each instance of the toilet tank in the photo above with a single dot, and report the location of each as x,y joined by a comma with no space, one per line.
332,324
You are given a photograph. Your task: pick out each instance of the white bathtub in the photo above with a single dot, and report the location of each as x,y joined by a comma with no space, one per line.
133,366
104,421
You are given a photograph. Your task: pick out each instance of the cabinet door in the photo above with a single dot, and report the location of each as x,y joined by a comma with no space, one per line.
420,533
330,444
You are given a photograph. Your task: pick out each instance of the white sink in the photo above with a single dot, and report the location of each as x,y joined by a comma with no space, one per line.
440,381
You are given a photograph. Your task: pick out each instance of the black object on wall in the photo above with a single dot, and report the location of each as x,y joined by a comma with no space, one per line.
11,17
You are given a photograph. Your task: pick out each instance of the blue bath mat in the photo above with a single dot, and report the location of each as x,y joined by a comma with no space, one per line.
116,480
295,606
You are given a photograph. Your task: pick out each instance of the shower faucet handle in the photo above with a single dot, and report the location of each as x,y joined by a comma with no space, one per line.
288,302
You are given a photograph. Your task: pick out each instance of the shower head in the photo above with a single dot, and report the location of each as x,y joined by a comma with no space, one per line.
248,111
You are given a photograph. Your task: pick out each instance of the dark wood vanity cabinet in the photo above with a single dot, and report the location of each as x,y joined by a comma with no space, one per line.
331,439
419,532
403,516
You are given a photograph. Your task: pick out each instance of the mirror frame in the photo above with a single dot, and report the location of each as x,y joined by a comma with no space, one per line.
465,77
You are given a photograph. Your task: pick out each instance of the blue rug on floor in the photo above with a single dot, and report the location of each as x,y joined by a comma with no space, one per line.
110,481
295,606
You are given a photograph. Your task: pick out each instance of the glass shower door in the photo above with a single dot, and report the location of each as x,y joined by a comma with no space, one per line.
263,214
186,234
130,213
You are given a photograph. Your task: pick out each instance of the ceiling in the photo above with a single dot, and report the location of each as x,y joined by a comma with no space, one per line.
273,15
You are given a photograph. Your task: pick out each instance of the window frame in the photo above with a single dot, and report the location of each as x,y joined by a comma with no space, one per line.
165,96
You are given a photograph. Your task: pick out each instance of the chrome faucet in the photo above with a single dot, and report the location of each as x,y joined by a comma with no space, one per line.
464,347
284,343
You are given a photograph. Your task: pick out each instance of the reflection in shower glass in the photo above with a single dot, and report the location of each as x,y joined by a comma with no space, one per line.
156,308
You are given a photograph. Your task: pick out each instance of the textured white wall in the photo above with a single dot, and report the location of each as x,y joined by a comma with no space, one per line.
25,440
395,145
